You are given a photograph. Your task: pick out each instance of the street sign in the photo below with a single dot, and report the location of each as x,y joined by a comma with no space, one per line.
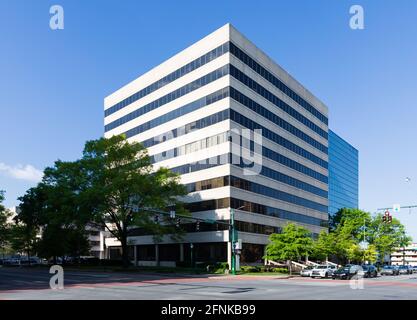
396,208
238,244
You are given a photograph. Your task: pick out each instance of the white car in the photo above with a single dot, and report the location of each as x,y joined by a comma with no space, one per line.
323,271
306,272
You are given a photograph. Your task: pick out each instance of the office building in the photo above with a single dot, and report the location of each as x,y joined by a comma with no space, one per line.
190,111
407,256
343,174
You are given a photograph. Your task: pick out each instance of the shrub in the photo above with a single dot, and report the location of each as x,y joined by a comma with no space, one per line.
280,270
219,267
250,269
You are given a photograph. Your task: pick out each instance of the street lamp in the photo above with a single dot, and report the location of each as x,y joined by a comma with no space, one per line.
233,237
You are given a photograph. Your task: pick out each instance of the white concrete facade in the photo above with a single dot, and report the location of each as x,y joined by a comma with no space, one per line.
407,255
274,209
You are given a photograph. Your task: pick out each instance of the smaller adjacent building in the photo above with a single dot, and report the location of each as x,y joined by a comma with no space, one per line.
343,174
96,239
407,256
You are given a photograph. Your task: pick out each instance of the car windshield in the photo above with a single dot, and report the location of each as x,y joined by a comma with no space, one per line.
343,269
403,267
388,267
321,267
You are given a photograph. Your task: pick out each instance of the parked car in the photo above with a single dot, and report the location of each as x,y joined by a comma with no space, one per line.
414,269
323,271
33,261
347,272
389,271
306,272
405,270
11,262
369,271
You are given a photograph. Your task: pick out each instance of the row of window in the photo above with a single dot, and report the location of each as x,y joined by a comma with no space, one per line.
230,181
252,125
223,137
191,147
248,206
174,114
202,164
239,75
238,97
195,105
256,107
246,59
278,176
210,77
190,227
206,58
197,63
187,128
275,193
277,157
265,171
215,118
257,188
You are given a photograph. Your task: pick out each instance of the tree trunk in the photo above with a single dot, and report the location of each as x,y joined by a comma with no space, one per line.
125,254
28,253
289,267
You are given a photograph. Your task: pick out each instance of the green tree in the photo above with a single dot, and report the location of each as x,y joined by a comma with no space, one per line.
122,184
59,241
66,211
28,221
324,246
387,237
293,243
370,254
5,215
349,227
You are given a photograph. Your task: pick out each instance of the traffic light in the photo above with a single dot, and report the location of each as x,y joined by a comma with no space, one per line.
197,226
177,224
387,218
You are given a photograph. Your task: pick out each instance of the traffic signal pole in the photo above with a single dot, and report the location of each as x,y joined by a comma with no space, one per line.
232,230
233,239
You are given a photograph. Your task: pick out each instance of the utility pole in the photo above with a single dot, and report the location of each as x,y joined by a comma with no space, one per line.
233,238
232,230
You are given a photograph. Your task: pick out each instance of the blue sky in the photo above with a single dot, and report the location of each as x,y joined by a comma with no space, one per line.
53,82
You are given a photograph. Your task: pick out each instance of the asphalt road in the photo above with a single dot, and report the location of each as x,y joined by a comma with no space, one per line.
21,283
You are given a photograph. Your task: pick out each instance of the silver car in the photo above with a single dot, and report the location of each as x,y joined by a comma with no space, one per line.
323,271
306,272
